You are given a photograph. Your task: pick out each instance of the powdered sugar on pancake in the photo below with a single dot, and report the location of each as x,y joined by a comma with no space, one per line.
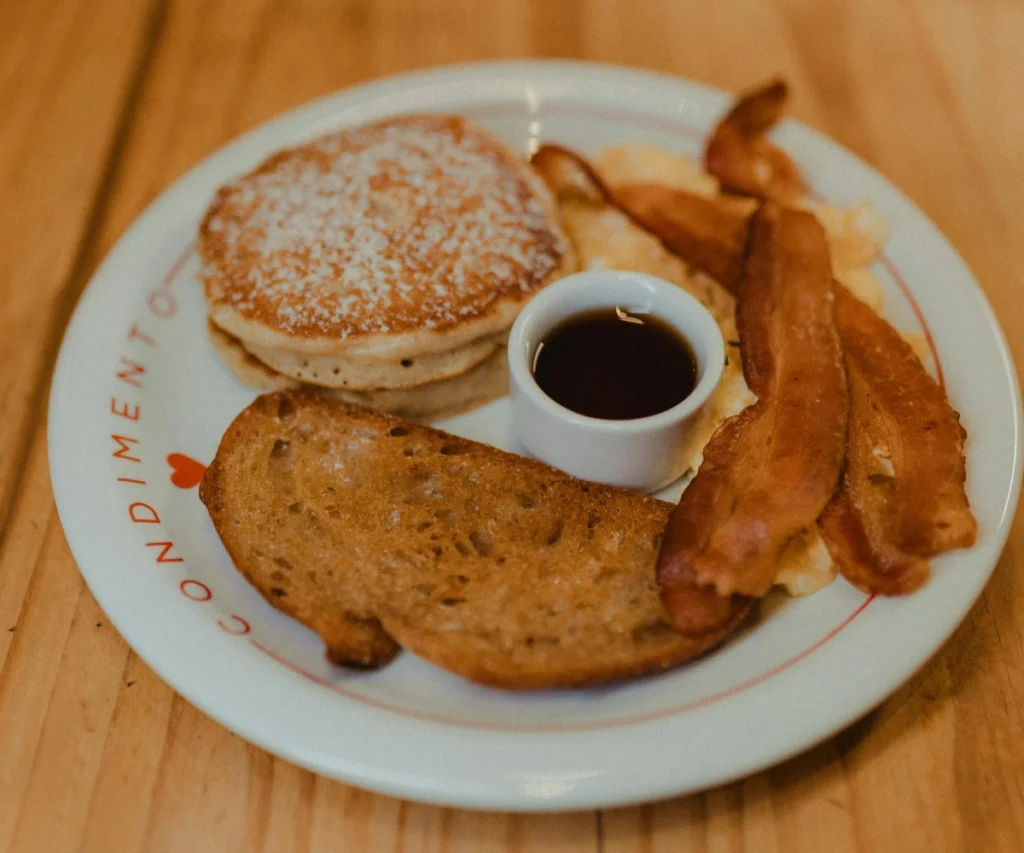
416,223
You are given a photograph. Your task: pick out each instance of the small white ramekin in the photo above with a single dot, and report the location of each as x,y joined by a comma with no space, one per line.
644,453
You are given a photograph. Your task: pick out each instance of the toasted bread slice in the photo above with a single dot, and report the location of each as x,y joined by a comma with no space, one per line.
379,533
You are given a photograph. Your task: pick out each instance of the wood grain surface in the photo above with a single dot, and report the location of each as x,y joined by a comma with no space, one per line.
103,103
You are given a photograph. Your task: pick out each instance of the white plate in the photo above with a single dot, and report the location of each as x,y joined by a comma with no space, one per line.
807,669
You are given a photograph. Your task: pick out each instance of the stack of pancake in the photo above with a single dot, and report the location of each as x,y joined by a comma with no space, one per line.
384,264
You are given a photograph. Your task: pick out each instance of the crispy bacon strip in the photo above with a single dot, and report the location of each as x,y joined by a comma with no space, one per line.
880,531
694,608
769,472
743,160
903,497
704,232
570,176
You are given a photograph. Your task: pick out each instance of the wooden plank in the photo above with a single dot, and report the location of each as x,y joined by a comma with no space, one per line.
290,812
66,74
211,789
70,748
30,672
955,731
20,551
54,91
973,59
121,797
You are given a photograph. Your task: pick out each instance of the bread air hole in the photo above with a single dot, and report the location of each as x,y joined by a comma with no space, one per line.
285,409
482,542
454,448
653,631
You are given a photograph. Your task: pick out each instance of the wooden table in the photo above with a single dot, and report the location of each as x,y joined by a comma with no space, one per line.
103,103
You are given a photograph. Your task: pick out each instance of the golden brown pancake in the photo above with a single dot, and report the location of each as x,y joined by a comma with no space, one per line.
414,235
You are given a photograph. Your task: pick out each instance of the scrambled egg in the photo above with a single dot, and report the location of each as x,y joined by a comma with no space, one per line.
855,239
639,163
607,239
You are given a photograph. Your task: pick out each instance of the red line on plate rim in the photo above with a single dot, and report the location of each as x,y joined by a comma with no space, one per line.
186,253
666,125
890,268
690,133
549,728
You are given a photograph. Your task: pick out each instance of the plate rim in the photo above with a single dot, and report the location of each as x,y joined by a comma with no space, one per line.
306,114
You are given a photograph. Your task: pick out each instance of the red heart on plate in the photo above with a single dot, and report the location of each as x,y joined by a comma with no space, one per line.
185,471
